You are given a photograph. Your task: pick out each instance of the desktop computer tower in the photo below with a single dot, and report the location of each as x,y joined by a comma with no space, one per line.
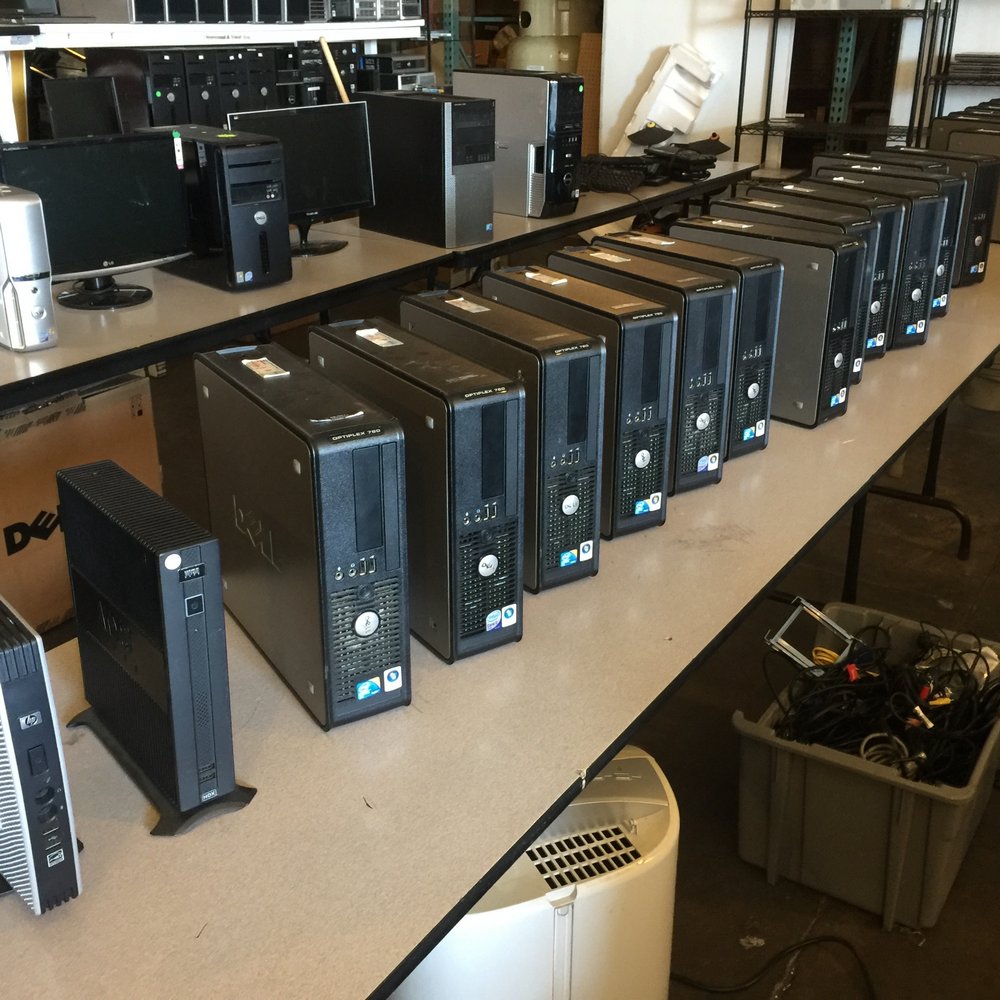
150,84
982,174
825,218
969,135
38,850
464,427
306,492
26,311
884,212
951,188
432,165
201,76
706,313
147,591
640,337
758,280
539,127
921,246
238,212
819,307
563,375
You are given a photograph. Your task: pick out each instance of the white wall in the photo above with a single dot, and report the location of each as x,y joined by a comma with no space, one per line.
976,30
638,32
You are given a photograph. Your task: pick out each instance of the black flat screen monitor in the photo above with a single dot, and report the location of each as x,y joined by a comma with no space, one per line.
111,203
85,105
328,163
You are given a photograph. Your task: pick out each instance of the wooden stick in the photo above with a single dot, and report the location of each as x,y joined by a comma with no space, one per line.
334,72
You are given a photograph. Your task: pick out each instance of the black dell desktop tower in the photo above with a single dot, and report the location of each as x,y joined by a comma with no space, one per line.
857,225
890,217
960,133
641,340
464,427
237,209
918,277
758,281
539,128
949,187
982,174
706,313
306,493
563,375
432,166
147,591
819,308
38,849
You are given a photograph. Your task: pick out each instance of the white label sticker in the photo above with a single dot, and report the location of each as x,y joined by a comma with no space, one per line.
470,307
761,425
586,550
508,615
857,364
613,257
264,367
545,279
378,338
651,240
392,679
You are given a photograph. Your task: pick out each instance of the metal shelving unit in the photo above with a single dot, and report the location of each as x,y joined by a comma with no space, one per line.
934,16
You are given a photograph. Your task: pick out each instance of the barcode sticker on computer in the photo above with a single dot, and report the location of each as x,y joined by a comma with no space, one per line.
468,306
264,367
651,240
613,257
378,338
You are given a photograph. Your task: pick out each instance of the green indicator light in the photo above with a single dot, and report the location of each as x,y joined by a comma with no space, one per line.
581,88
159,93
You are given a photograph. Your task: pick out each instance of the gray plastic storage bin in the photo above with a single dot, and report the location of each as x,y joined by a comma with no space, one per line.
854,829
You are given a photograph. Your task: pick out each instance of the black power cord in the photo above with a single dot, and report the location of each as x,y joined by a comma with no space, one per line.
775,959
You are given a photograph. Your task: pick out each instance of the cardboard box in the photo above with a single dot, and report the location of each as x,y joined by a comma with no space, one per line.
112,420
588,65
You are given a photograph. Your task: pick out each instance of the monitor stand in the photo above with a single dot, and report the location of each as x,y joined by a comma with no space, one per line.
314,249
103,293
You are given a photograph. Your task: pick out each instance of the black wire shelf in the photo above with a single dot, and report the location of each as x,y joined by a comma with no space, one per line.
821,130
827,14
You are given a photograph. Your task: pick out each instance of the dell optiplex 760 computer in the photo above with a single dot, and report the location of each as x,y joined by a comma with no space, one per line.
641,340
982,174
819,307
828,219
432,163
563,375
758,282
464,427
706,311
38,850
887,213
951,188
237,208
306,492
539,128
918,275
964,133
147,590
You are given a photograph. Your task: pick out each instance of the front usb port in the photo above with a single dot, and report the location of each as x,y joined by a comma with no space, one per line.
51,839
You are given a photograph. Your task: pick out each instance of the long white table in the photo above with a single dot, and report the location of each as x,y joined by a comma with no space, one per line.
184,316
363,844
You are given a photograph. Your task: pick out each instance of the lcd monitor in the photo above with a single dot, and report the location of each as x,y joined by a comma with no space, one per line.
112,204
328,167
85,105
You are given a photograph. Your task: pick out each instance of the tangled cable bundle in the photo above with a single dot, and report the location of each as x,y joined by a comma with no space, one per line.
927,718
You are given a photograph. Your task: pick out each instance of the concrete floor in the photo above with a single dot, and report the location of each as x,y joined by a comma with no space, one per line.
728,920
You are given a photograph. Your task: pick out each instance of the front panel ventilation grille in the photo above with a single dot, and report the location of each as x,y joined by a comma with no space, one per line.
695,444
479,595
748,412
563,532
582,856
640,484
355,658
